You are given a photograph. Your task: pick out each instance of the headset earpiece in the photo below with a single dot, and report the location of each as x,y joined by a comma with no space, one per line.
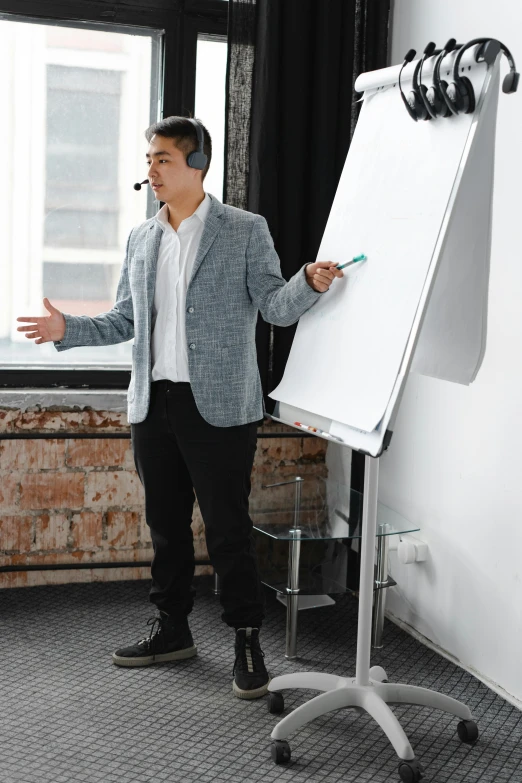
416,105
510,83
460,96
197,159
437,103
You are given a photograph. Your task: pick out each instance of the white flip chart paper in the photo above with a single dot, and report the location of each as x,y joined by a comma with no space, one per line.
452,341
390,204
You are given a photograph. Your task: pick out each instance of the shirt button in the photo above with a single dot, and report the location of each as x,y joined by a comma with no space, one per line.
192,346
191,309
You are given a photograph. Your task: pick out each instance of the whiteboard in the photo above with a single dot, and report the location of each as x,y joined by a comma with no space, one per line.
393,203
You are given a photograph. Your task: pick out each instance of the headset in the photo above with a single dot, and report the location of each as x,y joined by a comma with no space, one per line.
435,103
416,101
196,159
459,96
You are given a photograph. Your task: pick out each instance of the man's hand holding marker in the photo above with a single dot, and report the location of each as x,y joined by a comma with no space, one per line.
319,276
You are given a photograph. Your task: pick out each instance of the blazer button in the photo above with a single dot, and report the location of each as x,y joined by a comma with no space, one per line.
191,309
192,346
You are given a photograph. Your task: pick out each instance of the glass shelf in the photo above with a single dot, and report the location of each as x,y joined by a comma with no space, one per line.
321,578
311,582
329,511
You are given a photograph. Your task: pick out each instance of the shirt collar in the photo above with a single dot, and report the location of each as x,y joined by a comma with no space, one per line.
201,212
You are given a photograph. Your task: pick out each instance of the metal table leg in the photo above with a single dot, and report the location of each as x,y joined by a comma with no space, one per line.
292,590
217,586
292,593
381,583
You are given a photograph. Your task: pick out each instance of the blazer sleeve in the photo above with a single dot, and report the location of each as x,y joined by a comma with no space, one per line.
280,302
115,326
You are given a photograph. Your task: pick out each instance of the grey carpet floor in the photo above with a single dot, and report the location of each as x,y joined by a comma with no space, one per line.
69,715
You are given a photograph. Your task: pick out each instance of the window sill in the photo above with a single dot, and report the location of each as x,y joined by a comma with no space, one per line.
68,399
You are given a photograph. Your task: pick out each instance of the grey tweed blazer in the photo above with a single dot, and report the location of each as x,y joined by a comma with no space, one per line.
236,273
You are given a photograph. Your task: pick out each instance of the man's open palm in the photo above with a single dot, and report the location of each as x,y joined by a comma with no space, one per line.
43,329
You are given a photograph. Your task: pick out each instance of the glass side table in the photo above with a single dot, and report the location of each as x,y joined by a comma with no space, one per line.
332,514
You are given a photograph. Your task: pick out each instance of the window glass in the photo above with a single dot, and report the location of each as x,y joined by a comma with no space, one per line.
75,103
82,141
210,104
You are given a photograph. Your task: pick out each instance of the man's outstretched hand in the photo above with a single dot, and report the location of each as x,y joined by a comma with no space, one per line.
320,275
44,328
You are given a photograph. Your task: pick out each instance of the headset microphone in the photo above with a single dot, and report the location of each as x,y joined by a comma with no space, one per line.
408,57
138,185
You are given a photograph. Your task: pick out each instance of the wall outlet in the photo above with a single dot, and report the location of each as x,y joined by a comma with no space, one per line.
411,550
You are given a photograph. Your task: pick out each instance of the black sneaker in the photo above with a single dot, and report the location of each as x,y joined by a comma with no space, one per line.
167,641
250,675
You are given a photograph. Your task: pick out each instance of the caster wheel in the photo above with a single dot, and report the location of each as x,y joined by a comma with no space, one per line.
377,673
276,703
410,771
467,731
280,751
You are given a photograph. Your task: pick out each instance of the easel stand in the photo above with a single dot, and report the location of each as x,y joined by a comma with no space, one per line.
369,690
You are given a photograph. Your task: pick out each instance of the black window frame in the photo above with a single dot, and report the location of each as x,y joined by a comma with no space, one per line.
181,21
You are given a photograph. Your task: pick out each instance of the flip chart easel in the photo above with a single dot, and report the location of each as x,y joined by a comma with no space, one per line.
436,243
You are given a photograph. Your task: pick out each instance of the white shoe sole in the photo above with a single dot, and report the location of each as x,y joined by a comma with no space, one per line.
255,694
177,655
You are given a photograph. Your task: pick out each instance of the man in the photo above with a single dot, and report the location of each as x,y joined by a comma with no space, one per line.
192,282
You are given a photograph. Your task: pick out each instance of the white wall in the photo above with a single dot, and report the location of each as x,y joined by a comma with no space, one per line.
455,461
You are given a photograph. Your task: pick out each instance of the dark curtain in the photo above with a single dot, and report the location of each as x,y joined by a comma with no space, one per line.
291,112
290,115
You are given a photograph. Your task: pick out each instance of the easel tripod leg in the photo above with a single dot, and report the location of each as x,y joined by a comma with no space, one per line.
387,720
396,693
319,705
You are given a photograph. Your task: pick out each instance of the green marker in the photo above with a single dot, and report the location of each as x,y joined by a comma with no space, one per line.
362,257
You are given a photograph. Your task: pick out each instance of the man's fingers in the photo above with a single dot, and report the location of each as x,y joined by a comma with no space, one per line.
29,328
30,319
49,307
324,276
31,335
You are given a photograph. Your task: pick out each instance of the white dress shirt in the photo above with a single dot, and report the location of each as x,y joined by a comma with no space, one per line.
177,253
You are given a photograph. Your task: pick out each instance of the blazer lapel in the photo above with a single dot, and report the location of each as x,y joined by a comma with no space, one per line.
154,235
213,224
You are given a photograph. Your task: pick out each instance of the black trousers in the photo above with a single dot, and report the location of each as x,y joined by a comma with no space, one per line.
176,452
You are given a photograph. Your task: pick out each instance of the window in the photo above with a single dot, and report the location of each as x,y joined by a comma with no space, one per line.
75,105
76,99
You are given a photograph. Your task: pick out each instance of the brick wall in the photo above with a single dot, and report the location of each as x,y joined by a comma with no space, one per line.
79,500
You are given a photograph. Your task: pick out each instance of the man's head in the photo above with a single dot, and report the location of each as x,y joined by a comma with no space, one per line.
170,142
